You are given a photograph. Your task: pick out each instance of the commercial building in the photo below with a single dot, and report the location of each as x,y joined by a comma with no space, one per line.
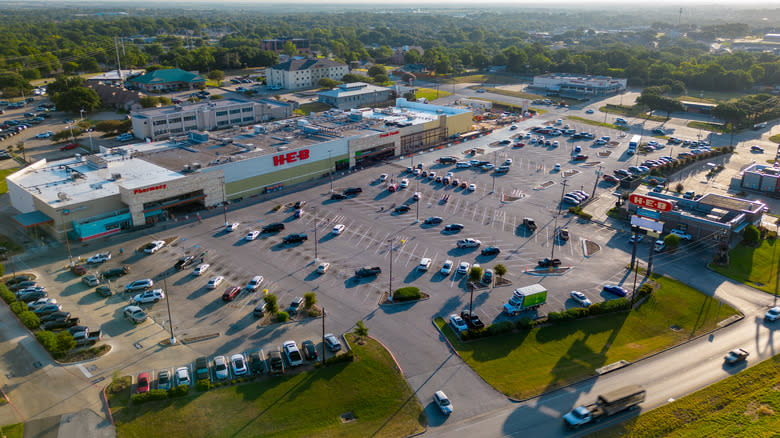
277,45
698,107
167,80
761,178
160,123
577,86
134,185
303,73
114,77
355,95
708,217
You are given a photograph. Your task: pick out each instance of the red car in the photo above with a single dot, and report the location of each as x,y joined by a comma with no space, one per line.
610,178
579,157
231,293
69,146
519,145
143,383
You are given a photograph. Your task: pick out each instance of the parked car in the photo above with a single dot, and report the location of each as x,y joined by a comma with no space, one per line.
338,229
446,268
142,384
231,293
60,323
433,220
255,282
681,234
135,314
90,280
139,285
164,380
295,306
332,342
150,296
99,258
115,272
580,298
323,267
616,290
32,295
55,316
294,357
444,404
487,277
295,238
256,364
368,271
736,355
457,323
252,235
239,364
563,234
463,268
468,243
403,208
453,227
104,290
200,269
214,282
274,227
183,376
231,227
490,251
153,247
309,350
772,314
472,320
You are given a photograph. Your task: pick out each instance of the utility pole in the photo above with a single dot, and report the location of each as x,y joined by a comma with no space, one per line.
390,292
67,241
636,271
323,336
118,65
224,201
650,260
555,227
634,232
330,170
595,184
418,201
493,188
168,303
315,234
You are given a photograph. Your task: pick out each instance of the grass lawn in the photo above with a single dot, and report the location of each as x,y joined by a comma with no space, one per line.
4,173
431,94
596,123
519,94
9,244
304,404
743,405
756,267
714,127
13,430
568,352
775,138
313,107
631,111
480,78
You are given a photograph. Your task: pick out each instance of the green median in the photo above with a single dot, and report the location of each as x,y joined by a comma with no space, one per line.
526,363
309,403
754,266
744,405
596,123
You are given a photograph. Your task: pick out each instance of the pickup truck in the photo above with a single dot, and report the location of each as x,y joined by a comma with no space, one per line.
526,298
368,271
607,404
276,363
87,337
295,238
529,224
546,263
201,368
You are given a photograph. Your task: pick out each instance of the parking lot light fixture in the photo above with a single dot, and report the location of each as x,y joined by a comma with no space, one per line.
390,292
168,304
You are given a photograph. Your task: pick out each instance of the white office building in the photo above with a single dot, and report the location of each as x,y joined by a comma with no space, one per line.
304,73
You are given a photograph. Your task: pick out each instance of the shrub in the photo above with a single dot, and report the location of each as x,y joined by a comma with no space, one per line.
18,307
203,385
233,382
751,235
179,391
349,356
158,394
500,328
407,294
65,341
282,316
474,333
313,313
310,299
47,339
2,269
30,320
671,241
6,294
645,290
525,323
140,398
610,306
679,188
271,303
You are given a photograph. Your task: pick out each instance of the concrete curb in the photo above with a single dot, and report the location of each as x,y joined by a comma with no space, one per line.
384,294
389,351
105,403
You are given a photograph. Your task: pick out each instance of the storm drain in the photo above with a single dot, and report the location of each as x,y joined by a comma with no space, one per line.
676,328
347,417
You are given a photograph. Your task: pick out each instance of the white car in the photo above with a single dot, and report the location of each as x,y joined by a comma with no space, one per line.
46,134
682,234
425,263
557,167
200,269
153,247
446,269
472,187
580,298
252,235
231,227
99,258
215,281
338,229
137,285
772,314
220,367
293,354
659,245
183,376
404,183
508,162
239,364
444,404
135,314
255,282
150,296
382,177
469,243
463,268
458,324
40,303
323,267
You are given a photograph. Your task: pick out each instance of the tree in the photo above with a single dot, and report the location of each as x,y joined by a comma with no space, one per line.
20,149
271,303
361,329
65,83
412,56
475,274
282,316
500,270
217,75
751,235
328,83
289,48
65,341
679,188
672,241
377,70
310,299
76,99
381,78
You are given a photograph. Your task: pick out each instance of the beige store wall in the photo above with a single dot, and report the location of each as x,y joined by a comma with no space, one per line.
292,175
77,213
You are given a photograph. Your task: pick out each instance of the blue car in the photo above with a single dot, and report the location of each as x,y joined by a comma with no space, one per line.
617,290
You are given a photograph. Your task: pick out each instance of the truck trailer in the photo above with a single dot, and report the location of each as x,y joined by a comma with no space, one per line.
526,298
609,403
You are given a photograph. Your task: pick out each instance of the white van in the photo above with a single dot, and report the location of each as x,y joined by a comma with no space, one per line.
462,164
425,263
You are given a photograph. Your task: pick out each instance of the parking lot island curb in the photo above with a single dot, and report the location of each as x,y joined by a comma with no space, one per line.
383,301
105,403
389,352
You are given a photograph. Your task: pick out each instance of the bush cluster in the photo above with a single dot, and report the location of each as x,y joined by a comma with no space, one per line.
18,307
151,395
491,330
6,294
578,211
645,290
349,356
407,294
282,316
179,391
203,385
30,320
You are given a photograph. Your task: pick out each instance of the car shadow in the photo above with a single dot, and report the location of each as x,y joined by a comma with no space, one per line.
382,195
355,281
241,324
199,292
73,289
210,307
460,252
413,275
242,242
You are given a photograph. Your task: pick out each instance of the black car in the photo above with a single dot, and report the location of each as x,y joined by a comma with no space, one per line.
491,250
55,315
60,323
453,227
299,204
433,220
256,365
115,272
402,209
353,191
295,238
272,228
472,320
184,262
32,296
296,304
22,285
18,279
368,271
337,196
309,350
546,263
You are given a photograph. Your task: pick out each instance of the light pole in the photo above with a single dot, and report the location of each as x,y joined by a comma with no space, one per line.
168,303
493,175
315,233
330,170
224,200
67,241
81,111
390,293
555,226
72,139
418,201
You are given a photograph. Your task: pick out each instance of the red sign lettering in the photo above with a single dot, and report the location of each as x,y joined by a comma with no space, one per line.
388,134
291,157
149,189
651,203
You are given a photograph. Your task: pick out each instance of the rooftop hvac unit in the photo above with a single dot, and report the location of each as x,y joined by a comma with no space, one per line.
186,169
62,196
116,176
74,176
195,166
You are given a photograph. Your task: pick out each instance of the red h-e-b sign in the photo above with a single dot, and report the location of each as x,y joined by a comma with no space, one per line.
652,203
291,157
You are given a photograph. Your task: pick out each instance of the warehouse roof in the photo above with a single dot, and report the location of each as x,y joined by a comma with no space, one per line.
305,64
167,76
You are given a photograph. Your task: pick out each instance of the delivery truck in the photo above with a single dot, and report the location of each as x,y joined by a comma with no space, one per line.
609,403
526,298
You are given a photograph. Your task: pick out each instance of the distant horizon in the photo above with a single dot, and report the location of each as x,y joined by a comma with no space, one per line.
469,4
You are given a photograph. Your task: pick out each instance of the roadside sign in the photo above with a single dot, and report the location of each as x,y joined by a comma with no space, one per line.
652,214
649,202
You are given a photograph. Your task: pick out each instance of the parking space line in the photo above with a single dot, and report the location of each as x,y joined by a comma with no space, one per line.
411,253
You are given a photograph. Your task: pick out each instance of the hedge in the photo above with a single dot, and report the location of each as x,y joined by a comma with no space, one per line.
30,320
349,356
151,395
6,294
282,316
203,385
407,294
179,391
47,339
18,307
